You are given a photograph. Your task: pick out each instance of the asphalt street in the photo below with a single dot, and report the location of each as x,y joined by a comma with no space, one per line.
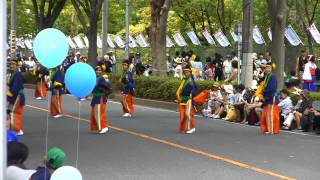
148,146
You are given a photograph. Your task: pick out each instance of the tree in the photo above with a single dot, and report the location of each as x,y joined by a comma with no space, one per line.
88,12
306,13
157,34
46,14
278,15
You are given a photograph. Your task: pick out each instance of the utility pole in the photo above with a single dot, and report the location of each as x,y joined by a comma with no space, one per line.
247,66
238,28
105,27
3,89
13,48
126,55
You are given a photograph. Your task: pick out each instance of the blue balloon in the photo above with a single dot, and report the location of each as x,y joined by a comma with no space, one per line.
80,79
50,47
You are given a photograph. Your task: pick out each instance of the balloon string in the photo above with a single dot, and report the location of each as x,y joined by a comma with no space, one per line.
47,132
78,135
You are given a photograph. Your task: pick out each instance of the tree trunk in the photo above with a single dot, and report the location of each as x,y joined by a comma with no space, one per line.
310,44
278,15
92,37
158,30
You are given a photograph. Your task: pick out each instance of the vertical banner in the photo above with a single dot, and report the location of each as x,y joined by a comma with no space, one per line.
270,34
78,42
71,43
86,41
314,33
110,42
132,42
28,43
119,41
141,40
169,42
179,39
221,38
208,37
257,36
99,42
20,43
193,37
235,37
292,36
13,45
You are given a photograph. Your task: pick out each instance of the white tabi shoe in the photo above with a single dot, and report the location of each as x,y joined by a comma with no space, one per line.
126,115
191,131
57,116
104,130
20,133
38,98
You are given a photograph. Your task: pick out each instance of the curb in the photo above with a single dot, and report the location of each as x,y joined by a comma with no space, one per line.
138,101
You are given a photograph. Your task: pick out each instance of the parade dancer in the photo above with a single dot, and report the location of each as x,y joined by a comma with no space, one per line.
270,120
100,94
41,87
185,93
57,81
15,98
128,90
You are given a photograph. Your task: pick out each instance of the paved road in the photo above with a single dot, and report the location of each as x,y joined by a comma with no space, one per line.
148,146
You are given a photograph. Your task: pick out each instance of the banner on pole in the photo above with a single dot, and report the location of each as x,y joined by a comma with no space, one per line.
257,36
235,37
193,37
208,37
314,33
221,38
78,42
132,42
28,43
141,40
292,36
169,42
119,41
99,42
270,34
110,42
71,43
179,39
20,43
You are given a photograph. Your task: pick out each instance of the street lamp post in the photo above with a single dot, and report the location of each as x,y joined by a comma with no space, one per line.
105,27
127,30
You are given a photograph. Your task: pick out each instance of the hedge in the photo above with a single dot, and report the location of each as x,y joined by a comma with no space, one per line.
159,88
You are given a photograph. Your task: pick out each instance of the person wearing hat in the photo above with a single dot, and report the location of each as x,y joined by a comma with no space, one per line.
57,81
77,58
270,120
41,87
128,89
113,60
98,103
285,105
15,98
185,93
54,159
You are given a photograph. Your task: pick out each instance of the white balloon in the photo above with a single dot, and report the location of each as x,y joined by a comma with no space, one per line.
66,173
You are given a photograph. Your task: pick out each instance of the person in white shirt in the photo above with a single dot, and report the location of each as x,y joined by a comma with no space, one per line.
285,105
309,74
178,68
227,67
17,154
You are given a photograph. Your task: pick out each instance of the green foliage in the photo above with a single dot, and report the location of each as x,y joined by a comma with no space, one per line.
28,78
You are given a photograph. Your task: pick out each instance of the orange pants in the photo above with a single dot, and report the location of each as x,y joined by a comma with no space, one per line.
186,117
98,117
127,103
41,90
270,120
16,116
56,105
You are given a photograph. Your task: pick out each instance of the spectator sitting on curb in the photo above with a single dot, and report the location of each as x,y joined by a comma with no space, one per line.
54,159
17,155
